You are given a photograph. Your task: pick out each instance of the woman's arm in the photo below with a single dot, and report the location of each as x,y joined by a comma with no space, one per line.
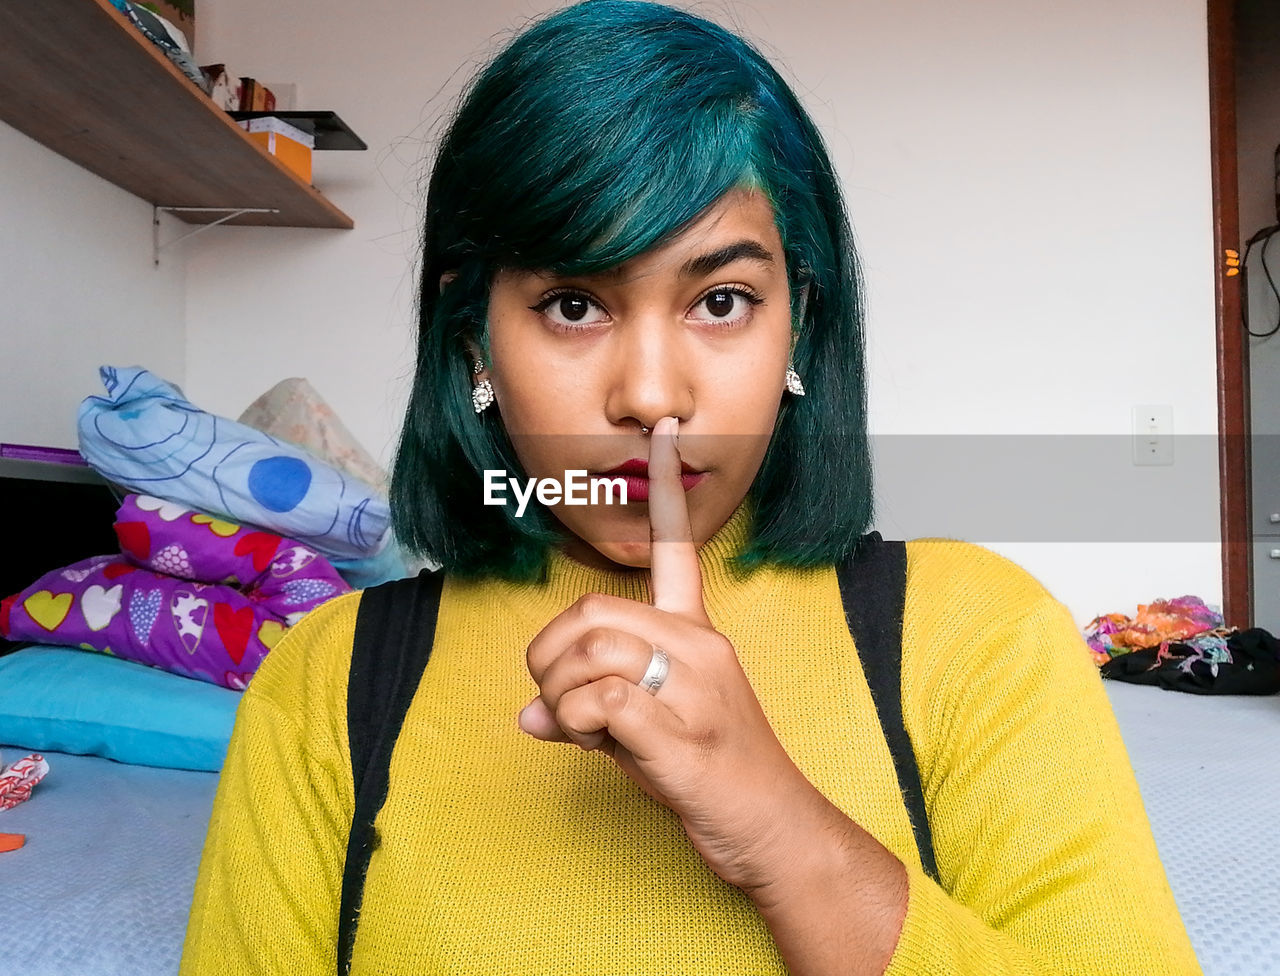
1042,841
266,897
837,900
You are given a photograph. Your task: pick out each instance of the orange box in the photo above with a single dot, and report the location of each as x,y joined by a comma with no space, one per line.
286,142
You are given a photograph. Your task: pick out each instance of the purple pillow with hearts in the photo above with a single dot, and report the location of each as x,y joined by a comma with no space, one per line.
192,594
177,541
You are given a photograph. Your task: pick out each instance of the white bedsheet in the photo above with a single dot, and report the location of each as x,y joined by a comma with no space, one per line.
104,884
1208,767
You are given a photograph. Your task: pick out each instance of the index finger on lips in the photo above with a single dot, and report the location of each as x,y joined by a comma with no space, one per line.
676,576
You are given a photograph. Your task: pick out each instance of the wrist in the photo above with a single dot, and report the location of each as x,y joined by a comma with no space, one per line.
758,841
824,858
837,898
807,852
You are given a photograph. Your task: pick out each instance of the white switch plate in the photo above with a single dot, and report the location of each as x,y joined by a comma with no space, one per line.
1152,434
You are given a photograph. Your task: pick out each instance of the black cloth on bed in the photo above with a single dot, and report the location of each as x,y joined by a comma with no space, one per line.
1254,668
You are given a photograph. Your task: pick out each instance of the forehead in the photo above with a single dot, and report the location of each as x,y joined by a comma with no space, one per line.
738,226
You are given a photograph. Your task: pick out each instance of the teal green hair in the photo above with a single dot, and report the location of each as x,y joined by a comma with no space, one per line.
597,134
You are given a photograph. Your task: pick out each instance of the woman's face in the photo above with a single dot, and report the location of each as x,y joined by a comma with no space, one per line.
698,329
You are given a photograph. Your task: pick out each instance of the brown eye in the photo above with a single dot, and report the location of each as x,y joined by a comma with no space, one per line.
572,307
720,303
567,310
730,306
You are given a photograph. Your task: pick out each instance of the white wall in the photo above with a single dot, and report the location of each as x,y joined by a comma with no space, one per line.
1029,185
78,290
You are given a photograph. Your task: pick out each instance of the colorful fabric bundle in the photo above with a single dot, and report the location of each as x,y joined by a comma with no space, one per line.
192,594
1156,624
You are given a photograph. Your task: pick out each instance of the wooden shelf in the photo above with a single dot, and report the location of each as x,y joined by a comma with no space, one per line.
76,76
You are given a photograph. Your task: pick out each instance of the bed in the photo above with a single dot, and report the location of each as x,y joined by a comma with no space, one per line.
1209,774
103,884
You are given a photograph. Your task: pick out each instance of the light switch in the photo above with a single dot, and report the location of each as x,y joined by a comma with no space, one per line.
1153,434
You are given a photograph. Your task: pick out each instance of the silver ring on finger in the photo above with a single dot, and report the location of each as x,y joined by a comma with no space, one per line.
656,673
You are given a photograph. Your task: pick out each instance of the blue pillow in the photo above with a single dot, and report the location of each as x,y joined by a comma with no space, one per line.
67,700
145,435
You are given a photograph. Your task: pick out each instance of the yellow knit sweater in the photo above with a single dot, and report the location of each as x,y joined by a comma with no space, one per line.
503,854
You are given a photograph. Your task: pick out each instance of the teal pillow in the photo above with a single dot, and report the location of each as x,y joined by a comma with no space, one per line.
66,700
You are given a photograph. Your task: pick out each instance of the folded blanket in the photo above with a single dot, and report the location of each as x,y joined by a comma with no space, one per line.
190,593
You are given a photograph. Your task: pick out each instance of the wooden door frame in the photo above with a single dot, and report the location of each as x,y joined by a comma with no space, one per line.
1232,347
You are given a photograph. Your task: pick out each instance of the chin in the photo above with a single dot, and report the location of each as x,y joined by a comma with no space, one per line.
619,536
633,554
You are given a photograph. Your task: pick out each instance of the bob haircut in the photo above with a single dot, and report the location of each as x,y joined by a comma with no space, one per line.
600,132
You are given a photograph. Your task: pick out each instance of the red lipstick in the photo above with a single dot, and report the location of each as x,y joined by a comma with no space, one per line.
636,473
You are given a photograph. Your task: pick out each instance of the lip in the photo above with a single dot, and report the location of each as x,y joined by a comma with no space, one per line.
640,468
636,473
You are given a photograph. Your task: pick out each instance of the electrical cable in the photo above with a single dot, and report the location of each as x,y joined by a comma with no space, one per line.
1265,236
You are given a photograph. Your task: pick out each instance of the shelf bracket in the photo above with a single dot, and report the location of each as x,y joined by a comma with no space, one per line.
231,213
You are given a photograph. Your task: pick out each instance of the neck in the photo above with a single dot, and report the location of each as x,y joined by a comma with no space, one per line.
573,571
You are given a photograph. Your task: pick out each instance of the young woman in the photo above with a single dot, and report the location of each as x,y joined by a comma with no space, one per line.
637,264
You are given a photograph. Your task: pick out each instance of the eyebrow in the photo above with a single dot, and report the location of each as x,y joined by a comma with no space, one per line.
703,264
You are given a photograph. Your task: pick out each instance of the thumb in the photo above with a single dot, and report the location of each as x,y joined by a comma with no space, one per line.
537,720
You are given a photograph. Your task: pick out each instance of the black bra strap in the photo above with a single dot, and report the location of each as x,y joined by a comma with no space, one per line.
873,589
395,628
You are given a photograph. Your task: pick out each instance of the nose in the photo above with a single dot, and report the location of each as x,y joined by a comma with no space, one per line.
651,375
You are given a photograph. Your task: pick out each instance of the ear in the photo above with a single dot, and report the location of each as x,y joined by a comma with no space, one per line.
445,278
803,308
474,353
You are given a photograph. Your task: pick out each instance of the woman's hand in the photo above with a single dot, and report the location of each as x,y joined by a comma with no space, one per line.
702,744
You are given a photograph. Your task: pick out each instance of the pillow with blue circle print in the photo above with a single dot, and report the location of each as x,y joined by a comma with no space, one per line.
146,436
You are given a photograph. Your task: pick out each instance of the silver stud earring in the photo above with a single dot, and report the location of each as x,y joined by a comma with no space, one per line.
793,381
644,429
482,392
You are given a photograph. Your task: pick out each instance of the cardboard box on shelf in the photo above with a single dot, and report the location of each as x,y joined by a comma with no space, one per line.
255,96
224,87
287,143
